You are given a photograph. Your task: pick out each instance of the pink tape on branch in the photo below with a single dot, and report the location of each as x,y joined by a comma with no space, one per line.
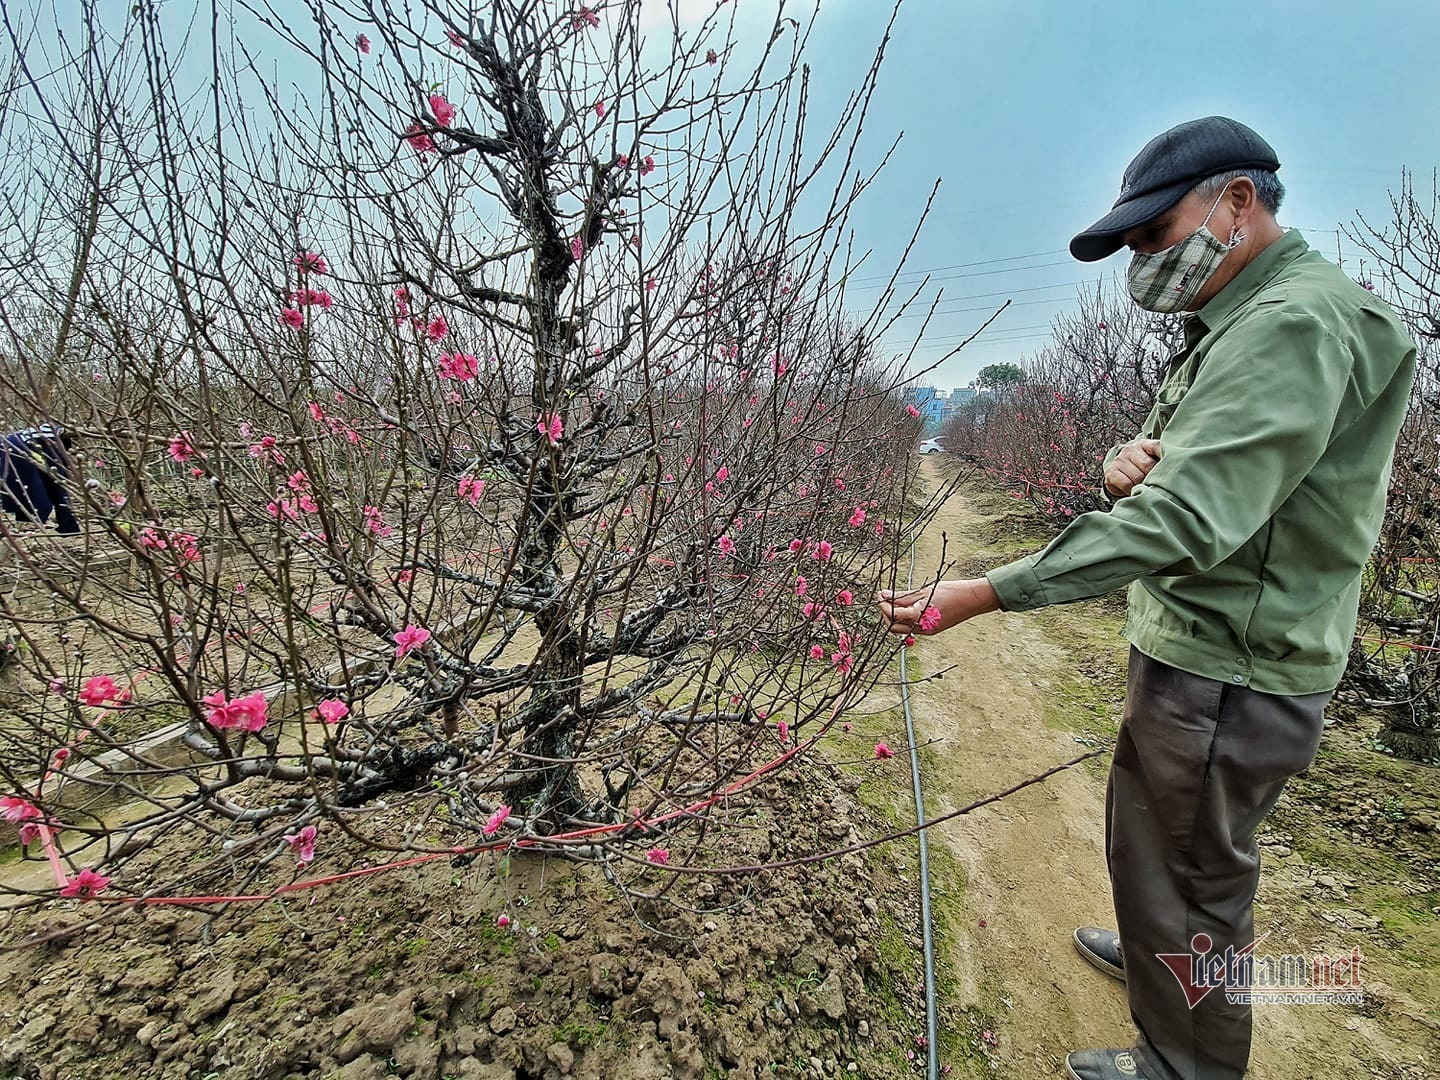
579,834
1398,644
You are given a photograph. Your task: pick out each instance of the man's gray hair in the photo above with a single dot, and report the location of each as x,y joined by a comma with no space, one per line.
1268,188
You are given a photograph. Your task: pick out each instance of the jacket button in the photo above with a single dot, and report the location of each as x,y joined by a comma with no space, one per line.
1237,678
1025,598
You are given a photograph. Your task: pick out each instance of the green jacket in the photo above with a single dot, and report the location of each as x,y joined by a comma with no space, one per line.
1244,546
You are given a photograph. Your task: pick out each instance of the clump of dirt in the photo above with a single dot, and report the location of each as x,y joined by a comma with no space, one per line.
802,972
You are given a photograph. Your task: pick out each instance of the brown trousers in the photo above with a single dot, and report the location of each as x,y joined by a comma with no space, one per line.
1198,765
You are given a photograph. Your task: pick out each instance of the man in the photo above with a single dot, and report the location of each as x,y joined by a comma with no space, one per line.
1243,515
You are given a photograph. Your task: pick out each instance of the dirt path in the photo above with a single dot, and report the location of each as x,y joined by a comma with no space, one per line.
1034,864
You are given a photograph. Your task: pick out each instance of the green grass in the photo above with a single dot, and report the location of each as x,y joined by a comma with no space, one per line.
581,1036
889,798
1395,878
1087,695
502,941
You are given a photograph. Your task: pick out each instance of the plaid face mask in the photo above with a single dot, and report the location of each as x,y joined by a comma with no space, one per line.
1169,280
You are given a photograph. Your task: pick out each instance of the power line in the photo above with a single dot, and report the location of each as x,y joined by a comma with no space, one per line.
935,271
963,266
994,335
1020,333
943,309
978,273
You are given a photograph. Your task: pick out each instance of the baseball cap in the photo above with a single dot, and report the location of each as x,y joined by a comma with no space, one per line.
1169,166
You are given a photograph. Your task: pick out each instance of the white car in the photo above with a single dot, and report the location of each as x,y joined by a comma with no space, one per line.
931,446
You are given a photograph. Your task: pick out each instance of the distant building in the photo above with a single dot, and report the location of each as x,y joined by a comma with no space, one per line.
936,405
919,395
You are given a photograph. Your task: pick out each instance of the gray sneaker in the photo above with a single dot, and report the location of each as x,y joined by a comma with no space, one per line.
1102,1065
1102,949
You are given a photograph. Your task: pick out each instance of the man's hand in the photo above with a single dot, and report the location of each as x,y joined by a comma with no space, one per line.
1131,466
955,601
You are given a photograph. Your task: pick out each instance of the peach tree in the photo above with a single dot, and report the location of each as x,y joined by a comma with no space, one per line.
465,410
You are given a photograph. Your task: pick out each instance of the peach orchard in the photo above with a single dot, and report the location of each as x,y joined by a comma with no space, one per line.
475,423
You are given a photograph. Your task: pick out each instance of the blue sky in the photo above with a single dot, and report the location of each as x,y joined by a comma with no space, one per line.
1029,110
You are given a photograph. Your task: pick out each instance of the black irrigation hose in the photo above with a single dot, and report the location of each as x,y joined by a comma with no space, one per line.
932,1050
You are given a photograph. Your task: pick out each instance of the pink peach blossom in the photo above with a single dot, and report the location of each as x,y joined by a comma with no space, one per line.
419,139
409,639
442,110
493,823
462,367
472,489
100,690
245,713
303,844
84,885
16,809
181,449
311,298
332,710
311,262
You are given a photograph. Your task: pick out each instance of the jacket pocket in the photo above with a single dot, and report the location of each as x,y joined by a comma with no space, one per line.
1167,401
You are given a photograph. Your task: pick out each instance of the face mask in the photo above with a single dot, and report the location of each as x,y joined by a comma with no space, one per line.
1170,280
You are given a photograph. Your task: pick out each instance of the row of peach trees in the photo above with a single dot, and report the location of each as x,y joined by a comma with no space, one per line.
1092,384
475,424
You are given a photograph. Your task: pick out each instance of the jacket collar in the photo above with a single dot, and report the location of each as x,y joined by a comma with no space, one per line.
1249,281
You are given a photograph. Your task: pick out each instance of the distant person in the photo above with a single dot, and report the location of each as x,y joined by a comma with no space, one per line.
1245,511
32,468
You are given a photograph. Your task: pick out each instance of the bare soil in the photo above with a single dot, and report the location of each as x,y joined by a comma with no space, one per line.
408,973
